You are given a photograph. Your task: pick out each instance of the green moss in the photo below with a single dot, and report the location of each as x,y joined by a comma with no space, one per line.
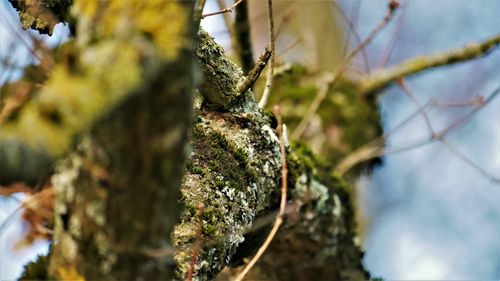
197,170
348,118
209,229
37,269
217,155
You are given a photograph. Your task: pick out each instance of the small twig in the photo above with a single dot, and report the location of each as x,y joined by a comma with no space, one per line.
254,74
270,72
468,161
394,39
475,101
462,120
404,86
228,21
440,137
352,29
281,214
393,5
375,148
197,243
225,10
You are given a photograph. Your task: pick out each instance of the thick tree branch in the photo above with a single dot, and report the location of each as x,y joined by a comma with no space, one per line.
222,78
234,171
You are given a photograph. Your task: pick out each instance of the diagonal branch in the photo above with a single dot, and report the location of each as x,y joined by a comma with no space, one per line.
385,76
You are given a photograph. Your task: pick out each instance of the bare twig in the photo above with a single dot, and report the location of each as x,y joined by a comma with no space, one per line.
225,10
333,78
394,39
376,149
404,86
228,21
281,214
352,29
270,72
475,101
254,74
468,161
441,137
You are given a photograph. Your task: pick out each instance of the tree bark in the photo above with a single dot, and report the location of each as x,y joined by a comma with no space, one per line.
117,192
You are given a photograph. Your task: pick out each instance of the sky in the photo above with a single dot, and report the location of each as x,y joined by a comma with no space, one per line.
430,215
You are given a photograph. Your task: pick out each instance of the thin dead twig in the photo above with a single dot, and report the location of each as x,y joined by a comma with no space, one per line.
376,147
334,77
225,10
352,29
406,89
468,161
228,21
254,74
475,101
394,38
270,72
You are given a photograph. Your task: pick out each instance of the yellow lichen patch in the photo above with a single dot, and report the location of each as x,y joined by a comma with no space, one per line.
69,274
70,102
86,9
162,20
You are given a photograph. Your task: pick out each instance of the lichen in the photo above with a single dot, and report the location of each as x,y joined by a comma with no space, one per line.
226,173
161,20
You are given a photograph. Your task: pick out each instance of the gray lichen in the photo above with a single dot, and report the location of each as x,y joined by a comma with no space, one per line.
233,171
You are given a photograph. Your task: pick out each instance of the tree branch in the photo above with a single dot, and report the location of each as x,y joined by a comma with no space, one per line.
234,171
385,76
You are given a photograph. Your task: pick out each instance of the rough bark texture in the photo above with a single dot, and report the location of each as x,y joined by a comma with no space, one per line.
117,193
114,202
234,171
